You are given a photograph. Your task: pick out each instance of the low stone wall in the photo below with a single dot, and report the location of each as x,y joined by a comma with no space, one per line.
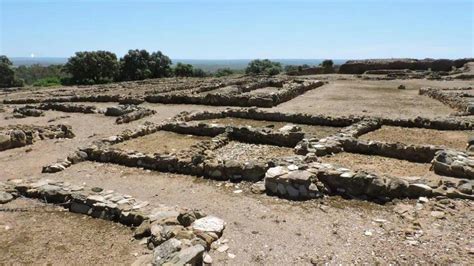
412,153
22,135
176,236
334,143
28,110
317,179
242,134
361,66
454,163
69,108
259,114
457,100
288,91
445,123
135,115
76,98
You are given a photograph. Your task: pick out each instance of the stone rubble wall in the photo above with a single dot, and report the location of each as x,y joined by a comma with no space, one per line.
288,91
22,135
177,236
242,134
135,115
412,153
334,144
317,179
457,100
261,114
454,163
361,66
198,160
69,108
445,123
28,110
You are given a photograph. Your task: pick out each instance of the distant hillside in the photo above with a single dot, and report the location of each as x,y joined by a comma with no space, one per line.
206,64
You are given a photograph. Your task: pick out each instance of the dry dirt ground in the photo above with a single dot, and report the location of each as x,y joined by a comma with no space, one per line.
36,233
376,98
451,139
260,229
161,142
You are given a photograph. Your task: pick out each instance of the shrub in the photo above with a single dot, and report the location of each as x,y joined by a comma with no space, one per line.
47,82
183,70
222,72
263,67
36,72
198,72
328,66
92,67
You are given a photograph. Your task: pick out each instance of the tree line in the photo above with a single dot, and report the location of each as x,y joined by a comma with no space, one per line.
98,67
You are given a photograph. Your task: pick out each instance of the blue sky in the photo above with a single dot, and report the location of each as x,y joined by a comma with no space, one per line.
219,29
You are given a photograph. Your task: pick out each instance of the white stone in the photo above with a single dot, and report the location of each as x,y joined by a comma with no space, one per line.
275,172
209,224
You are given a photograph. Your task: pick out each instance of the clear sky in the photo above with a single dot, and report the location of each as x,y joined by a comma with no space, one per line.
232,29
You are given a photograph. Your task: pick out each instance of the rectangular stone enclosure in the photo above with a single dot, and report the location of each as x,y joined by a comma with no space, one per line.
314,131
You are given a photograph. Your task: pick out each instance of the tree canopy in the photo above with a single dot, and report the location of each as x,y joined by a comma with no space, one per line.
183,70
139,64
263,67
7,75
92,67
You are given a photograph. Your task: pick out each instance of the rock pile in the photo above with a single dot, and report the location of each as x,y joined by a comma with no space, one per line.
127,113
22,135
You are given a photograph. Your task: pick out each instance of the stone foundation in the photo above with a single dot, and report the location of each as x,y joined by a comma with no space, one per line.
459,99
22,135
176,236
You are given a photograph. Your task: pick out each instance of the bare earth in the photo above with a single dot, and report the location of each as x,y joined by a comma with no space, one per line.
35,233
261,230
380,165
377,98
451,139
161,142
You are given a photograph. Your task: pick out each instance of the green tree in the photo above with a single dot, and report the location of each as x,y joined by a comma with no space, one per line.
160,65
4,60
263,67
139,64
33,73
198,72
183,70
222,72
92,67
328,66
7,75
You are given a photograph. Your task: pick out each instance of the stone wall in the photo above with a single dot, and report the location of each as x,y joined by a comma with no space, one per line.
69,108
177,236
361,66
454,163
238,133
135,115
288,91
459,100
27,110
22,135
318,179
